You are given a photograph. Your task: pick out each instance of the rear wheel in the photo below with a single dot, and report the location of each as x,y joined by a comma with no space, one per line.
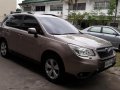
3,49
53,69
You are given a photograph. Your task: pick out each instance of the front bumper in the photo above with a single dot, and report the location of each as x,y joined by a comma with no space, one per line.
76,67
102,66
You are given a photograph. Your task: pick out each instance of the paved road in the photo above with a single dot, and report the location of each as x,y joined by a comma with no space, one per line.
19,74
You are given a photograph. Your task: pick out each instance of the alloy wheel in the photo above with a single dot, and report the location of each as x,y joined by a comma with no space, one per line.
52,69
3,49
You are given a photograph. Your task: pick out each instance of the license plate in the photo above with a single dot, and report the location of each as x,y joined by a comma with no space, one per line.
109,63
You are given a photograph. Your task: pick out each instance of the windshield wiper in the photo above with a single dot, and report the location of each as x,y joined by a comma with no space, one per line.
74,33
55,34
64,33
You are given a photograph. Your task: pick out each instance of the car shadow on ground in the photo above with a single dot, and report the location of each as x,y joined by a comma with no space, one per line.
69,80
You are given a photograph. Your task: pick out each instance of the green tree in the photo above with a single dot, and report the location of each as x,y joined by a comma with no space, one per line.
111,7
75,17
18,10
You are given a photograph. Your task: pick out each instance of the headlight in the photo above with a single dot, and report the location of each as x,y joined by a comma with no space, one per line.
81,51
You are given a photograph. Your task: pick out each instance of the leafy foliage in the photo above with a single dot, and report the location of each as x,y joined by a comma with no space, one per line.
74,17
93,18
111,7
18,10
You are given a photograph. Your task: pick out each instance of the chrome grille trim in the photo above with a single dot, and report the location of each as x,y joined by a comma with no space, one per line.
105,52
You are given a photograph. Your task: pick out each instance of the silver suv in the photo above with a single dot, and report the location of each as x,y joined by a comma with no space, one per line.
56,44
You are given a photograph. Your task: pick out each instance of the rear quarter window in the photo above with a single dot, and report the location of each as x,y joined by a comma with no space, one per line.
14,21
107,30
1,23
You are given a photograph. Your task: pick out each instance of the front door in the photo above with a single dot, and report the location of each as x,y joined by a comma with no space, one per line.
110,35
11,30
30,45
95,31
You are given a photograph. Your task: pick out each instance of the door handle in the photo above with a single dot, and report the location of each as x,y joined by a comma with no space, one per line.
19,34
7,31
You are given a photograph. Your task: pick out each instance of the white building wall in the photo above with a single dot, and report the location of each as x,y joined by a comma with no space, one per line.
47,8
118,9
65,10
89,5
64,13
58,13
6,6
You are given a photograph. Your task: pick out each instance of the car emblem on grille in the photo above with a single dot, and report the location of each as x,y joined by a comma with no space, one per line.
108,49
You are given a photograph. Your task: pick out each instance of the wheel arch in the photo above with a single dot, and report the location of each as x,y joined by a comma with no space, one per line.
2,39
119,47
51,53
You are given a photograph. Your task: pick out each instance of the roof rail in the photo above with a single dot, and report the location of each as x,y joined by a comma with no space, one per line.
51,15
30,12
14,12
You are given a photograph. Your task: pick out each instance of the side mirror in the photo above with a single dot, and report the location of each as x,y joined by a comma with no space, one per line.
116,34
32,31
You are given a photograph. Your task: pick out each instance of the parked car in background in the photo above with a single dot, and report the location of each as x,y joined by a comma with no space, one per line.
56,44
109,33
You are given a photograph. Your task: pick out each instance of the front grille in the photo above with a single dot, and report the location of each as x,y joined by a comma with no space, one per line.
105,52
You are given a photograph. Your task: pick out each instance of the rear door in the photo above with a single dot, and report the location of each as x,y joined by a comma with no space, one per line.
11,27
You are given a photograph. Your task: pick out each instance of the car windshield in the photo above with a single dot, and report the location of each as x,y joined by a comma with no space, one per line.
57,26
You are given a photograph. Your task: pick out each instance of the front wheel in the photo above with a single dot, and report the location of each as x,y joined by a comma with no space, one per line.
3,49
53,69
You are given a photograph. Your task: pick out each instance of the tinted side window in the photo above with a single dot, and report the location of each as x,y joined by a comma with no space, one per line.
14,21
108,31
4,20
31,22
95,29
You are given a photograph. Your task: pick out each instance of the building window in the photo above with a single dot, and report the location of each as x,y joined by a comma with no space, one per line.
56,7
78,6
27,8
40,8
101,5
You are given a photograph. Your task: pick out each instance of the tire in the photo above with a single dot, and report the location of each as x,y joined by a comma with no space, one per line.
53,69
4,49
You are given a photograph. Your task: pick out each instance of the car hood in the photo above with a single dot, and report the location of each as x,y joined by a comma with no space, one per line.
84,40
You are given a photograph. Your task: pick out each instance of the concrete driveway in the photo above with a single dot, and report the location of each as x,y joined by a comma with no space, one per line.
20,74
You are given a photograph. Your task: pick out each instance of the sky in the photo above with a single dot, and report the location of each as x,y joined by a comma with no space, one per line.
19,1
